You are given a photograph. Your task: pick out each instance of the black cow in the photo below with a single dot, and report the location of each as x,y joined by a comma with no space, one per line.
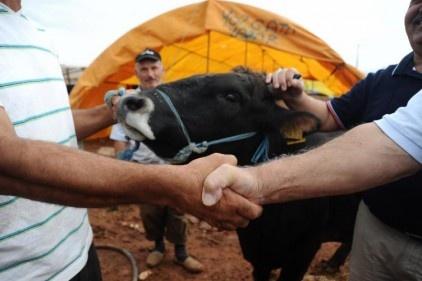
236,113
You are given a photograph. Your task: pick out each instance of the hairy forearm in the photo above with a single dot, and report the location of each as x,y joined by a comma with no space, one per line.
364,158
36,168
90,121
44,193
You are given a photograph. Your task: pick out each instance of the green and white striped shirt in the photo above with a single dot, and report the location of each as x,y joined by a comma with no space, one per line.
38,241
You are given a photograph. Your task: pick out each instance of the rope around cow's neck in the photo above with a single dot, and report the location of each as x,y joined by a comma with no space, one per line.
201,147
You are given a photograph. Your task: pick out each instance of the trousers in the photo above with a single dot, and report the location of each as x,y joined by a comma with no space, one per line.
92,270
381,253
163,221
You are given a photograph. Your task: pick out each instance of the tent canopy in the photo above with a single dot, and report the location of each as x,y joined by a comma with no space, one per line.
213,37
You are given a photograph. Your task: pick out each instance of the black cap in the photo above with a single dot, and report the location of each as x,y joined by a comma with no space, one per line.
148,54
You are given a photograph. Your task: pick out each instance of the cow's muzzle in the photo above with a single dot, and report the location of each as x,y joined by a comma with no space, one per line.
131,103
133,112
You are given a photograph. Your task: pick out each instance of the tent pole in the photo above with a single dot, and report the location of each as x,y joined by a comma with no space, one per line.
246,53
262,59
208,52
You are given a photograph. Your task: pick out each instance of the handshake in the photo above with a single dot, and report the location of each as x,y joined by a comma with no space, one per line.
230,193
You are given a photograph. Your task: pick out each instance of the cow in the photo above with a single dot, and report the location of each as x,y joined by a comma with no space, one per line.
238,113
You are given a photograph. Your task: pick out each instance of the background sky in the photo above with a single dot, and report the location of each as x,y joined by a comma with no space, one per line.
368,34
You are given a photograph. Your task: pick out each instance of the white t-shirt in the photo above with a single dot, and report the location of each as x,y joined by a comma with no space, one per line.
38,241
143,154
404,126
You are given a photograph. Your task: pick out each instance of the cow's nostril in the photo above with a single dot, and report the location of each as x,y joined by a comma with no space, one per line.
135,103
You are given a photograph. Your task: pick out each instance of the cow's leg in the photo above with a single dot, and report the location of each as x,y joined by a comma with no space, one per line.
340,228
297,267
261,273
257,247
338,259
307,242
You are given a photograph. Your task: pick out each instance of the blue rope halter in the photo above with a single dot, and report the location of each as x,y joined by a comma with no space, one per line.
201,147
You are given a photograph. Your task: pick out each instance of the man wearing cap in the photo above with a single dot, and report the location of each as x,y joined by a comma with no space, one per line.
158,221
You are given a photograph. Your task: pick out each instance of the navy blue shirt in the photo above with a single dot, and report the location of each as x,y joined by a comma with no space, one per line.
398,204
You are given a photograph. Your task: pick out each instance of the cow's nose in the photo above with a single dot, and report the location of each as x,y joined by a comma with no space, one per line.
134,103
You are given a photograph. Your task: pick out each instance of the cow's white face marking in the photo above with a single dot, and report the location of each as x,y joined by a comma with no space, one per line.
135,123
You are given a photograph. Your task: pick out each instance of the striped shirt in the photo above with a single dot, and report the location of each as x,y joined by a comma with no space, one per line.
38,241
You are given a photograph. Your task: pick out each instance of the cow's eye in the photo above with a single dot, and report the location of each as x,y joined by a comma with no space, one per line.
231,97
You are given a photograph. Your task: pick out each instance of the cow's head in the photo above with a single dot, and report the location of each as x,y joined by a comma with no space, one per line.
208,108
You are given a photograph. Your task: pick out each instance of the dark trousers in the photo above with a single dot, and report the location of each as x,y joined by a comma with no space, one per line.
91,270
163,221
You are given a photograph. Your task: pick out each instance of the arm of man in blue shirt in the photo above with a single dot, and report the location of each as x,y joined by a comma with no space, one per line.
366,156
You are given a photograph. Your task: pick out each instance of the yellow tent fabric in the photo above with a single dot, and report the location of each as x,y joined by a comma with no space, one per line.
212,37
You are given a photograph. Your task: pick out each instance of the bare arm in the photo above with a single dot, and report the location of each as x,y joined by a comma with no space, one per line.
53,173
360,159
33,168
45,193
91,120
295,97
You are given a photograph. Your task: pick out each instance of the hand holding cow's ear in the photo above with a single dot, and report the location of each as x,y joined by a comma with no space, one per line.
287,80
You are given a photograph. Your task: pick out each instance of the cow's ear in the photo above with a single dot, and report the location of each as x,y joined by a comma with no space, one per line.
274,93
299,121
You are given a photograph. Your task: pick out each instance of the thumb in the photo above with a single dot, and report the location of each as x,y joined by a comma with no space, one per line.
211,197
214,184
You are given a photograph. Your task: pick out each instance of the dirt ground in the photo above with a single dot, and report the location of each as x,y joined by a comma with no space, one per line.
123,248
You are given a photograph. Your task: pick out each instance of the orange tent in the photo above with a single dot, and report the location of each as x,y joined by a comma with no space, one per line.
215,36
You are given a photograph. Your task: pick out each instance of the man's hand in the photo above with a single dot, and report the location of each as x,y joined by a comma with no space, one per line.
231,211
243,181
112,97
286,81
